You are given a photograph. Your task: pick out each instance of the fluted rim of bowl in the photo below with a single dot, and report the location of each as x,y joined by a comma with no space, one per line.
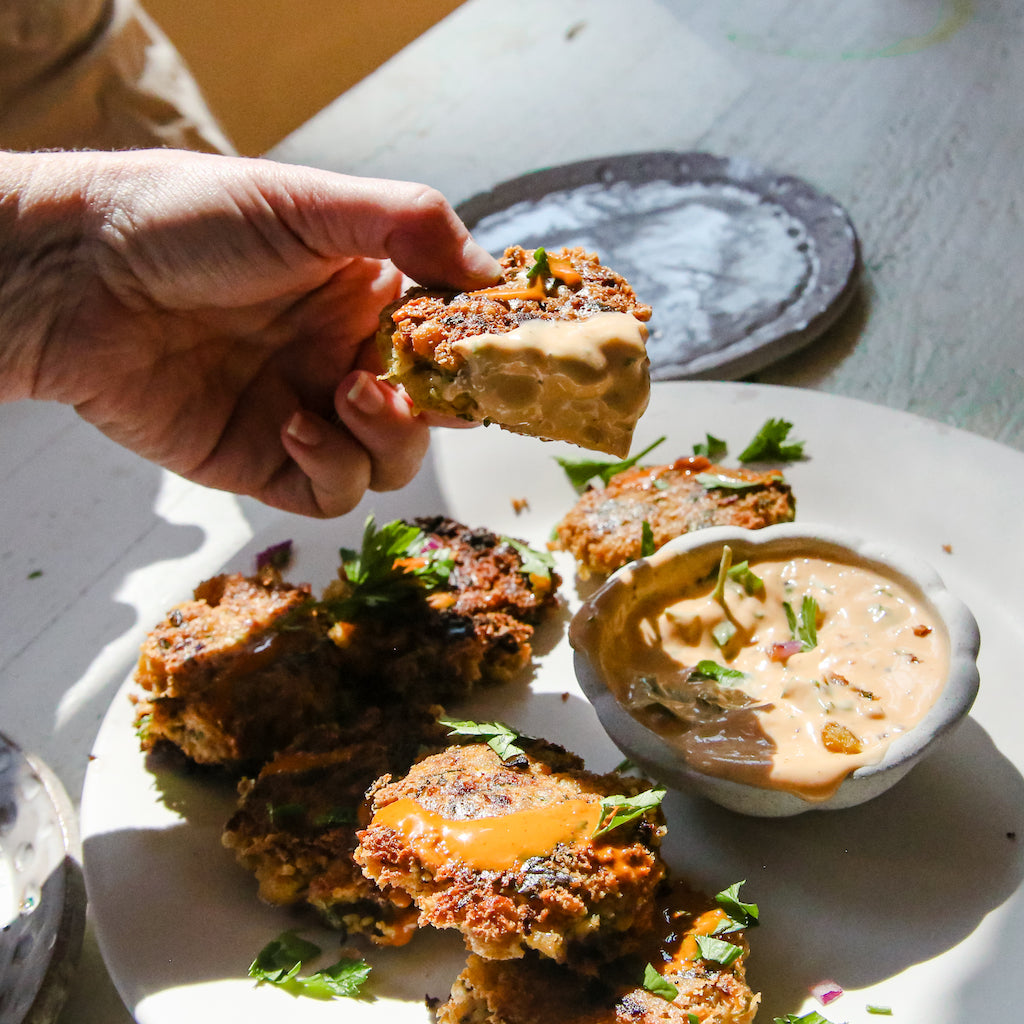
952,704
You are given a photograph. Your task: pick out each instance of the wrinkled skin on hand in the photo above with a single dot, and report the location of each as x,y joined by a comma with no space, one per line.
214,314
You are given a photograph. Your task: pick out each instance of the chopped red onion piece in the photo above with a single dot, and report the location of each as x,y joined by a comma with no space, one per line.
826,992
277,556
780,652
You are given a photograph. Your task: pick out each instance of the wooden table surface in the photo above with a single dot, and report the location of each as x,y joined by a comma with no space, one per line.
909,114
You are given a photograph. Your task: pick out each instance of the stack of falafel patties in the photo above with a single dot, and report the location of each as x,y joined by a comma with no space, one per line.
310,700
557,887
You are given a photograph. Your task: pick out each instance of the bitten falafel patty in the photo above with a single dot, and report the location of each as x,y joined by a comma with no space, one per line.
555,350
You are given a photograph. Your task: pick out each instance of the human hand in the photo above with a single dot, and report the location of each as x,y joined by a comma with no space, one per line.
212,313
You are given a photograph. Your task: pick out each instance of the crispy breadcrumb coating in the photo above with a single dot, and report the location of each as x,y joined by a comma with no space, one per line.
538,991
295,827
428,322
475,628
556,350
237,672
250,663
504,852
604,529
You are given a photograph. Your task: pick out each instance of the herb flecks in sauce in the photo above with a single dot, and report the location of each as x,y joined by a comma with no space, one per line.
702,667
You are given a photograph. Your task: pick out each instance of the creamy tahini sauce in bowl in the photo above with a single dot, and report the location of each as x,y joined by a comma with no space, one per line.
814,678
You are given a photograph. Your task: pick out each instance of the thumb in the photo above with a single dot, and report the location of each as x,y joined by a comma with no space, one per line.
413,225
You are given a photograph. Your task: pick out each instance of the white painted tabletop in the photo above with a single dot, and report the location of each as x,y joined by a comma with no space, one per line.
910,115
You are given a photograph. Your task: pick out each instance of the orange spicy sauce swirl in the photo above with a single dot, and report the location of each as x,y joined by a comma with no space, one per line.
491,843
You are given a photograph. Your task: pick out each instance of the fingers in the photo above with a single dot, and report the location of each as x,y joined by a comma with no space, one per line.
413,225
383,421
431,245
335,469
378,445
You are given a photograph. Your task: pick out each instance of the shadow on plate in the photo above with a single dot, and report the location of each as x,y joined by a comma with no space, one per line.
862,894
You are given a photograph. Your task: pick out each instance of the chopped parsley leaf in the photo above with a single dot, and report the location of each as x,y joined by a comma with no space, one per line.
345,977
280,961
713,448
741,915
746,578
647,547
539,265
582,470
722,633
336,816
658,985
769,444
804,629
393,564
498,736
708,669
619,810
718,950
280,956
534,562
721,482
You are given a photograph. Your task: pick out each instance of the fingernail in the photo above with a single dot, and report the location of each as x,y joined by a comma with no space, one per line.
365,395
479,262
305,429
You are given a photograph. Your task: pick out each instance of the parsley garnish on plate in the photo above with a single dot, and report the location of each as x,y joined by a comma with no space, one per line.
393,563
741,914
769,444
658,985
713,448
581,471
619,810
281,959
534,562
718,951
498,736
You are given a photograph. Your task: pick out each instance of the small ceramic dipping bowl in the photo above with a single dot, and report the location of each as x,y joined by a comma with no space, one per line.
622,630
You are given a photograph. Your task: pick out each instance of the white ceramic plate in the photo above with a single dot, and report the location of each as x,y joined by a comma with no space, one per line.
912,901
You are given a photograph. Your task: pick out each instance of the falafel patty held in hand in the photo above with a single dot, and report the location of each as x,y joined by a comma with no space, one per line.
211,313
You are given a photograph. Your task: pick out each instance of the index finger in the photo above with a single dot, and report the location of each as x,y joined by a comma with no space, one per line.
411,224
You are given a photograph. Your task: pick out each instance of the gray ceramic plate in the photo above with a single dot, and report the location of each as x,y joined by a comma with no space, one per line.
741,265
42,895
